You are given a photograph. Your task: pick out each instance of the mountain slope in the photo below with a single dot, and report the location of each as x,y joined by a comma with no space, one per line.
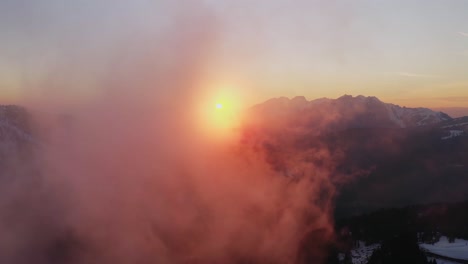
453,111
15,135
348,112
378,154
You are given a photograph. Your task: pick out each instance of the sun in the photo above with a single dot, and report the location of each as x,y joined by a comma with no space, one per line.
219,114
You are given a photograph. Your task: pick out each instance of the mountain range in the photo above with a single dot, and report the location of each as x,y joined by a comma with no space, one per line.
16,137
359,111
376,154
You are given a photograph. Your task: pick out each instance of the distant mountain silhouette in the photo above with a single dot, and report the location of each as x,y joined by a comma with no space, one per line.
15,138
378,154
348,112
453,111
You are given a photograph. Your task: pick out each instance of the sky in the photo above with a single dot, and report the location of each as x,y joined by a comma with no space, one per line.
408,52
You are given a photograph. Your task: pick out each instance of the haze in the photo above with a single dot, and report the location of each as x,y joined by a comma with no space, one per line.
137,142
412,53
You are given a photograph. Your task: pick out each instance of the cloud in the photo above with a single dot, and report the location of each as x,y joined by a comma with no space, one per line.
454,99
465,34
455,87
413,75
132,181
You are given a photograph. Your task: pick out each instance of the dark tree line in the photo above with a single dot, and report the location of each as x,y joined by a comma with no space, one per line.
428,221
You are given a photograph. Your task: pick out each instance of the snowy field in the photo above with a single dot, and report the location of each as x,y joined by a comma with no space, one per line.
443,261
456,250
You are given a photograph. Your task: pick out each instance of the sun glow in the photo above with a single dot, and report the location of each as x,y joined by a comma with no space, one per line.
219,114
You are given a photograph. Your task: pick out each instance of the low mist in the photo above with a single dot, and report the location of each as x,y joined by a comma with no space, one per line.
121,172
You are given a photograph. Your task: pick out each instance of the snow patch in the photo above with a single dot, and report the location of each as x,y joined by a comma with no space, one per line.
362,253
457,250
453,133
